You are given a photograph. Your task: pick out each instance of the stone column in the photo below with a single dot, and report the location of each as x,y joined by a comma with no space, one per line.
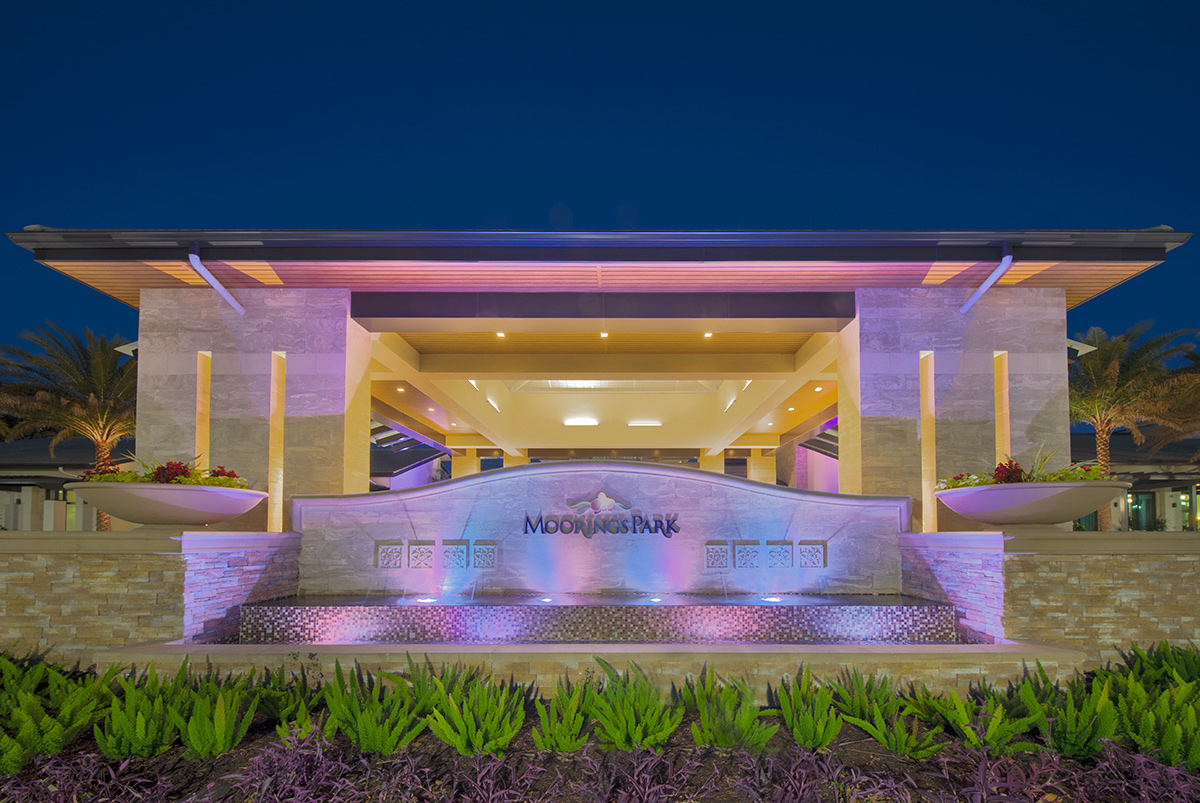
879,385
302,337
465,464
715,463
761,467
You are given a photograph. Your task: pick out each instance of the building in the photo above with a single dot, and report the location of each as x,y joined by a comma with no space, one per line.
283,353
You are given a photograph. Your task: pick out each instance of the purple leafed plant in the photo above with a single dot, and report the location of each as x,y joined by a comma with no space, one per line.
307,772
485,778
1120,775
641,776
83,777
977,776
794,776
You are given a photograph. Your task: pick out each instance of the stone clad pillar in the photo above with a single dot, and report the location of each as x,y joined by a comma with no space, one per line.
715,463
465,464
879,385
761,467
306,340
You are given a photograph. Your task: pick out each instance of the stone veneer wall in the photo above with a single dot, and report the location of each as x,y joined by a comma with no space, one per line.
1099,603
72,604
1092,592
74,593
219,582
971,581
879,388
940,667
326,407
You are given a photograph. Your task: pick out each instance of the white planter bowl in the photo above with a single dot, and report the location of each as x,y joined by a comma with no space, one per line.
1031,502
158,503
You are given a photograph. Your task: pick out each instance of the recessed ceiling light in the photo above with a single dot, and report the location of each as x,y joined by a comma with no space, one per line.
748,381
708,334
645,423
731,401
499,334
581,421
494,405
431,409
818,388
770,424
604,334
791,409
453,424
400,389
471,382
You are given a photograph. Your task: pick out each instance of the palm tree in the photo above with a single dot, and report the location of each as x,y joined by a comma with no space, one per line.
72,385
1124,383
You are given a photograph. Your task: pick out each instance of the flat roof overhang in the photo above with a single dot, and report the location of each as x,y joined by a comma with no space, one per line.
120,263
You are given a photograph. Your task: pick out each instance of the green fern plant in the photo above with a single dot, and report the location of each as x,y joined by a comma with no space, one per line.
980,726
1165,720
1074,730
563,721
137,724
482,719
728,716
423,679
213,726
892,734
808,711
378,719
629,711
859,696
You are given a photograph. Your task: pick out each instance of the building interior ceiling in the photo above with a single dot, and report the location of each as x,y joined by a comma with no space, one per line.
699,387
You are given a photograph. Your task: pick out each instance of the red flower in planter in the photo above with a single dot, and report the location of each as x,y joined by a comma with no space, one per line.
171,471
1009,471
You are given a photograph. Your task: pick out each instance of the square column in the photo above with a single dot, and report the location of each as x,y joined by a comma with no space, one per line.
880,384
289,398
761,467
465,464
715,463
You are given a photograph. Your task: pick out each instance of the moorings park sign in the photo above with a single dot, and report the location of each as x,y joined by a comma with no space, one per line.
604,514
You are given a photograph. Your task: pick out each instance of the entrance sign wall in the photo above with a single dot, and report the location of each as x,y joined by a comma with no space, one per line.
599,527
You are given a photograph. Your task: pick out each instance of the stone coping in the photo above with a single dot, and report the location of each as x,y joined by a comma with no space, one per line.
1053,541
141,541
902,505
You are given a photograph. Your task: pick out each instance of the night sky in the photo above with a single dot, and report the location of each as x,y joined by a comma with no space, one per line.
947,115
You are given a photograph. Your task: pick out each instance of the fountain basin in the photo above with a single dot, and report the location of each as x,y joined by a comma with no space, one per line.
600,618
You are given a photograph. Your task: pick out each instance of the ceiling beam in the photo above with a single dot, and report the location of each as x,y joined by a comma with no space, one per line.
606,366
812,360
404,363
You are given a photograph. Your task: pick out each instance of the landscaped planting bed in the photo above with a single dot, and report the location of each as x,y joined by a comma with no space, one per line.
427,734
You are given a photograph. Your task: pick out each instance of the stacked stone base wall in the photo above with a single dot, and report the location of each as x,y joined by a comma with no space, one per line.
1097,593
71,594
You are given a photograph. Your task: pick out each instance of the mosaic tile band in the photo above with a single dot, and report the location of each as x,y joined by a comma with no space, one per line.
280,623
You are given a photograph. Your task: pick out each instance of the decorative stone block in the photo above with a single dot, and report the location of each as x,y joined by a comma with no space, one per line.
420,554
779,554
389,556
485,554
811,555
746,555
454,554
716,555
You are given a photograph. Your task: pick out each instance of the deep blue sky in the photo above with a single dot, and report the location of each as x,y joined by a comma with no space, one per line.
797,115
